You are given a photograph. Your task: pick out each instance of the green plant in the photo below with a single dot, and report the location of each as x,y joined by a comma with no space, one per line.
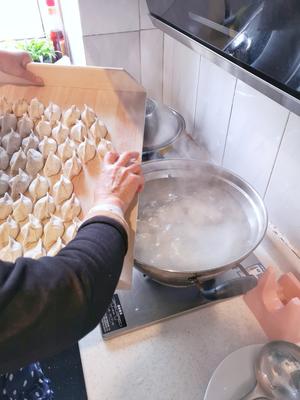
41,50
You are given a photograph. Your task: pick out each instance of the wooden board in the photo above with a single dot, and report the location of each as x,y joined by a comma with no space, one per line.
114,96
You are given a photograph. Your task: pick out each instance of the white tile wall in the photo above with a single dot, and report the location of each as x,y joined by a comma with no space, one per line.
152,62
283,194
109,16
114,50
181,70
256,128
145,21
214,103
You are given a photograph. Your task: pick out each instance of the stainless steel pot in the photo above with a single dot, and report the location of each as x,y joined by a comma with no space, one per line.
223,183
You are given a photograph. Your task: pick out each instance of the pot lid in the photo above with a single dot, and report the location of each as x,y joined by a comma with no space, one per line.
163,126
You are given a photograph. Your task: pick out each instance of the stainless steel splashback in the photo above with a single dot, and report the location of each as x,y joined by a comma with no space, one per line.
258,41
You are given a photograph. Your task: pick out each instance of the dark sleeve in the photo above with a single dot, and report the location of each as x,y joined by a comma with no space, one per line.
50,303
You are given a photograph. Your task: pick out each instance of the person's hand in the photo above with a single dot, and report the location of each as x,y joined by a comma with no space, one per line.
15,63
121,178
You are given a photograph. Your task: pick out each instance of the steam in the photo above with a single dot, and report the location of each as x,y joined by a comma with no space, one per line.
191,224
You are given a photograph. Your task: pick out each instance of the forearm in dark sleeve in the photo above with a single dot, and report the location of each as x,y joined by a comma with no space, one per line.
48,304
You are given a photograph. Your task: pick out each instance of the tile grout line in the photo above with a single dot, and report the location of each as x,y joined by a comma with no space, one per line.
277,153
163,68
197,96
229,121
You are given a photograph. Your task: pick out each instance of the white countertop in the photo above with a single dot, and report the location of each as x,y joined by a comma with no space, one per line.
172,360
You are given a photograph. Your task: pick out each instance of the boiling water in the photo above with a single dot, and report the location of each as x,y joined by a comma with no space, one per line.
183,226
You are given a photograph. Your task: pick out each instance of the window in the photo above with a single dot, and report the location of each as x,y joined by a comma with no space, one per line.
20,19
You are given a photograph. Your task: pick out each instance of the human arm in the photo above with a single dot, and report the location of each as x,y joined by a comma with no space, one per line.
15,63
50,303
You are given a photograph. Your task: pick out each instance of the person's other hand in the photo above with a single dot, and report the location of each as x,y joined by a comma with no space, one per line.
121,178
15,63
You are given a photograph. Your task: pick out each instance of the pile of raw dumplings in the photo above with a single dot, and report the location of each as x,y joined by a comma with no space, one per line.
39,146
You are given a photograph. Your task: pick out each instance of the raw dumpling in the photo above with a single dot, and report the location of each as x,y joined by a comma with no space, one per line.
6,204
78,132
47,145
8,122
19,183
60,133
52,231
55,248
9,228
86,150
12,251
43,128
4,183
12,227
36,252
52,165
71,230
30,142
24,126
70,209
65,150
88,116
5,105
104,147
44,207
52,113
62,190
32,231
4,159
38,187
20,107
17,161
11,142
98,130
35,162
35,109
22,208
72,166
70,116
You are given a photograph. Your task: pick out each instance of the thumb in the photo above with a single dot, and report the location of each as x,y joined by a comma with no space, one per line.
28,75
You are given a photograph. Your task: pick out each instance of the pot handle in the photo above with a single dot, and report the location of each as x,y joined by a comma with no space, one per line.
234,287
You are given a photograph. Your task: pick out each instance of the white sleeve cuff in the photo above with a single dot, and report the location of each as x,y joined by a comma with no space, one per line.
107,207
